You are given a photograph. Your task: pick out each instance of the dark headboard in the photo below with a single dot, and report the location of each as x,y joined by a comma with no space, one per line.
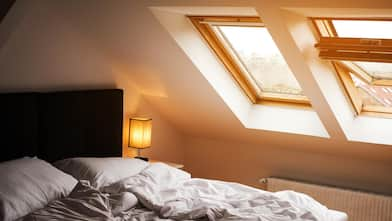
59,125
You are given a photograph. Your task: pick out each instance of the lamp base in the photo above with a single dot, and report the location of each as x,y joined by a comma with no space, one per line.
142,158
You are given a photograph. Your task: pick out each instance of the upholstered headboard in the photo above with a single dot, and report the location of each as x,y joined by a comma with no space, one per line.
59,125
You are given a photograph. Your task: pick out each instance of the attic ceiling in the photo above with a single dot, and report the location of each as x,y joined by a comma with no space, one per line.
133,42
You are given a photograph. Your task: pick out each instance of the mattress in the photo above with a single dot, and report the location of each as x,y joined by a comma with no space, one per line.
338,216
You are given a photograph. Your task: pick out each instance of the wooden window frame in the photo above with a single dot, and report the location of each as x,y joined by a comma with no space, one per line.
355,98
342,51
202,24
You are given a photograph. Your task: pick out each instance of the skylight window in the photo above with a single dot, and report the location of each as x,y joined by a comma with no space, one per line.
363,28
374,98
256,51
248,51
377,70
366,98
361,51
374,73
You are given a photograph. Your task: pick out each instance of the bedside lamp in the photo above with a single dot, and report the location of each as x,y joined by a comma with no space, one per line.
140,134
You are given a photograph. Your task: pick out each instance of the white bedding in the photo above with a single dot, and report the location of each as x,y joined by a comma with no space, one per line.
173,194
28,184
101,171
338,216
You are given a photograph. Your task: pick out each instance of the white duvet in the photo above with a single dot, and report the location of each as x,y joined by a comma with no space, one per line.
173,194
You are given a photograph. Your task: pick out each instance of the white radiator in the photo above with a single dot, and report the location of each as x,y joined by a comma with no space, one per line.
359,206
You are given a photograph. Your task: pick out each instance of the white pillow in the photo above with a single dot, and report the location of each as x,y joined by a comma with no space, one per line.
28,184
101,171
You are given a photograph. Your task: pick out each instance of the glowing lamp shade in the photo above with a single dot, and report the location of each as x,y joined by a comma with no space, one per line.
140,133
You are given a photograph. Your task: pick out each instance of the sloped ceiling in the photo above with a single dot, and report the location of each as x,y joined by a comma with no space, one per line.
131,41
137,44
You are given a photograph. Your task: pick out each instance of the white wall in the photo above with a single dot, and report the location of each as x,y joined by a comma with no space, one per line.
248,162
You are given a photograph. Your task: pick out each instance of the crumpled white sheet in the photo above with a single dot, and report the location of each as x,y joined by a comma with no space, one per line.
173,194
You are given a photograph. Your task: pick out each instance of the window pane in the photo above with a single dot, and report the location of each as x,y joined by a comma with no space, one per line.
376,69
372,94
363,29
262,59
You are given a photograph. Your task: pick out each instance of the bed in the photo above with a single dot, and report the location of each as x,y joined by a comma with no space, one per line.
80,133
